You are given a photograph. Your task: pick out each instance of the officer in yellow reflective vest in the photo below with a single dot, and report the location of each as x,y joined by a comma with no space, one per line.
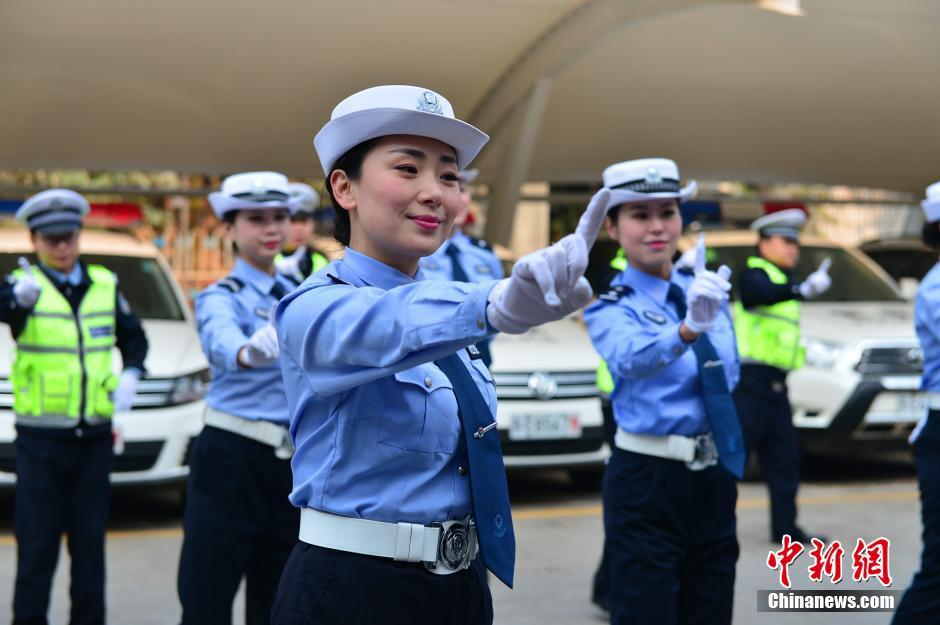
66,318
297,260
767,325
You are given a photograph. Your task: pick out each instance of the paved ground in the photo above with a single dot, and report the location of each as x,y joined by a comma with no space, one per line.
559,533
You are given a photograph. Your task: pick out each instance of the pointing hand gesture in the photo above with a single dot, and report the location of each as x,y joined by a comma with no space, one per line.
708,291
27,289
549,283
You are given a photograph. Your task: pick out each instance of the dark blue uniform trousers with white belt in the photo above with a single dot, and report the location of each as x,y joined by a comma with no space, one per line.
62,485
671,543
921,602
238,523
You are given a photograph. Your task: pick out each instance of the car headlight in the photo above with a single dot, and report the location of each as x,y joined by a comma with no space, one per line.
189,388
822,354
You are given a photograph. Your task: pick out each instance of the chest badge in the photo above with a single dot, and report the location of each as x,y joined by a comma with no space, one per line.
264,313
483,269
655,317
474,353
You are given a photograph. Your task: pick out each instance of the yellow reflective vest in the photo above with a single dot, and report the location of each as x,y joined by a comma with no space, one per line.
62,367
769,334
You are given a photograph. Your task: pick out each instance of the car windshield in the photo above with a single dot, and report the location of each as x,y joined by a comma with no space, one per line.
142,281
852,280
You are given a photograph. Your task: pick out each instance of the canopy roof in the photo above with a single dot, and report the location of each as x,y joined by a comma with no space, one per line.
847,94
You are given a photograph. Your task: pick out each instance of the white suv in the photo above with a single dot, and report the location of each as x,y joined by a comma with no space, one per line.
859,387
167,412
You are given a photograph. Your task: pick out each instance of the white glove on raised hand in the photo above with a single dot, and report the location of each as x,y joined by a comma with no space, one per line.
687,260
548,284
817,282
290,265
261,349
708,291
27,289
126,389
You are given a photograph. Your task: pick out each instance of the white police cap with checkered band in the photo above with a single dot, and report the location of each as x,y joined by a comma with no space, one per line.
645,179
931,204
54,211
253,190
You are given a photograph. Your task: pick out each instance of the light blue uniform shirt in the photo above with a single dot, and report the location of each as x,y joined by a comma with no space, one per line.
73,277
927,324
227,315
656,387
373,419
479,263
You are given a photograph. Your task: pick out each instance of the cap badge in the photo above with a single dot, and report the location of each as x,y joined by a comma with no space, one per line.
428,103
653,176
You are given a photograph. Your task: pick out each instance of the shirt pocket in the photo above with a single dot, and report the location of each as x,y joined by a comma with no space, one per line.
421,412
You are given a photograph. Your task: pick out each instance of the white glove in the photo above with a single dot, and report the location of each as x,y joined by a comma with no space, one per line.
126,389
261,349
708,291
548,284
27,289
290,265
817,282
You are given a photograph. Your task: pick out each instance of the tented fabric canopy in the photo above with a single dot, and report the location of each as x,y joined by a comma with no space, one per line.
848,94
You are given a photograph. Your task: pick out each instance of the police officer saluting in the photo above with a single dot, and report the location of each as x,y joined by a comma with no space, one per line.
921,602
66,318
295,261
767,324
238,521
463,258
669,487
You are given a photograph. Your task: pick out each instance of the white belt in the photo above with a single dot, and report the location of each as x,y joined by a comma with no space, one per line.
444,548
697,452
265,432
933,401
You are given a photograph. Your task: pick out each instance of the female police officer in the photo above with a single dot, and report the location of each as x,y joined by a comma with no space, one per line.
398,470
669,344
921,602
238,521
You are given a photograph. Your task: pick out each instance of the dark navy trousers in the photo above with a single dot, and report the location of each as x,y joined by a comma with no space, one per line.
671,541
326,587
62,486
767,423
921,602
238,523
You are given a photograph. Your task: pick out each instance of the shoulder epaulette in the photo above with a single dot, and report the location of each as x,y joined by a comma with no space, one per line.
481,243
615,293
337,280
230,283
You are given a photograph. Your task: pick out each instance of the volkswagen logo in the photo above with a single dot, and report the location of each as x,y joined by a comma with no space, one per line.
543,385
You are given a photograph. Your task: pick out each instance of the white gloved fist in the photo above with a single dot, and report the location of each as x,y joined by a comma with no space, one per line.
27,289
261,349
290,265
548,284
707,293
126,389
817,282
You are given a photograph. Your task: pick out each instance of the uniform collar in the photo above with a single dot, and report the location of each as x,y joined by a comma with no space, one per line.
261,281
73,278
373,272
654,287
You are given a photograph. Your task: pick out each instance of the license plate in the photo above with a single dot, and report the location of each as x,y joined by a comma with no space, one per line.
897,408
529,426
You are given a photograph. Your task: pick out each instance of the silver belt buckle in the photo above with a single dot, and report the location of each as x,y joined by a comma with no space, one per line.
456,547
706,453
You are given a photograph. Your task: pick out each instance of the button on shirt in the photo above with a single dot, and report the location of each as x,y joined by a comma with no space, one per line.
927,324
656,387
373,419
479,263
227,317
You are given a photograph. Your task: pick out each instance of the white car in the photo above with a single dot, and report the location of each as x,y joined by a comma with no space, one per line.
859,387
549,411
168,408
